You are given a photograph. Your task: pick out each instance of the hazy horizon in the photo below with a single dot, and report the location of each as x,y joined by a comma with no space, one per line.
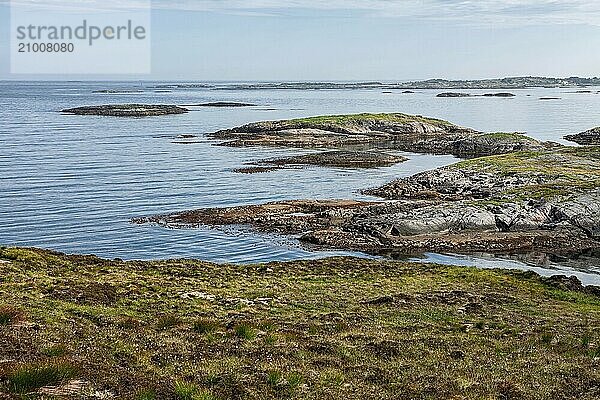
357,40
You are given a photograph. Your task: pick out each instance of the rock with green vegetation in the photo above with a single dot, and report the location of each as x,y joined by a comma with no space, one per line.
591,137
547,201
127,110
377,131
338,328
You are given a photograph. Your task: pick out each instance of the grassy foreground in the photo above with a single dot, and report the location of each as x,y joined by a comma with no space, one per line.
339,328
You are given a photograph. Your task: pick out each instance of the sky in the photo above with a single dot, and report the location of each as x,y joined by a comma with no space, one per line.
335,40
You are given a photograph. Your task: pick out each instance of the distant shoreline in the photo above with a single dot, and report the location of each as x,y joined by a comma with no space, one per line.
527,82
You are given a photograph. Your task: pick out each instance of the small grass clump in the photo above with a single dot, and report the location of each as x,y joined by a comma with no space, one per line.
205,326
146,394
294,380
245,331
168,321
10,315
190,391
274,378
186,390
56,350
29,377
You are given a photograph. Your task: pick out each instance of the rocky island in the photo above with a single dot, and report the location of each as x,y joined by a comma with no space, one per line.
126,110
221,104
377,131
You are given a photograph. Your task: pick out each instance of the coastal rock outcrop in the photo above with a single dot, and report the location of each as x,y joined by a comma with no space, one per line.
547,201
590,137
335,158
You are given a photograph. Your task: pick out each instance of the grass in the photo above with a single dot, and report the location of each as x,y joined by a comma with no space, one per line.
204,325
349,119
186,390
31,376
168,321
339,328
146,394
10,315
58,350
509,137
245,331
190,391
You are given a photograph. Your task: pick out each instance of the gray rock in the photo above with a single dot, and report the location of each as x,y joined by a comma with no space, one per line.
591,137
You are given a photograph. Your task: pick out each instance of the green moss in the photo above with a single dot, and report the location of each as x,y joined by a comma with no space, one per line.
512,137
342,120
560,172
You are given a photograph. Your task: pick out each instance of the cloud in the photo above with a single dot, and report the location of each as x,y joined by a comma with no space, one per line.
500,12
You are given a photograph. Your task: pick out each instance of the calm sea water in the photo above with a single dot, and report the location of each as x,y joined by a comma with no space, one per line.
71,183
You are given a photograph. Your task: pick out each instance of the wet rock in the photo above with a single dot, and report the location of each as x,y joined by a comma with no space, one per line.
591,137
547,202
343,159
126,110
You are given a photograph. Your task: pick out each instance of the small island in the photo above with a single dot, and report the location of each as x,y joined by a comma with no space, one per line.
126,110
515,194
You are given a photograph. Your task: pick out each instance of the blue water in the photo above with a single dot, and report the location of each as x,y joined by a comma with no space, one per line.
71,183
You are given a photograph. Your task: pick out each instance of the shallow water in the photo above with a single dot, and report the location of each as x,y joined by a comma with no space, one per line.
72,183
